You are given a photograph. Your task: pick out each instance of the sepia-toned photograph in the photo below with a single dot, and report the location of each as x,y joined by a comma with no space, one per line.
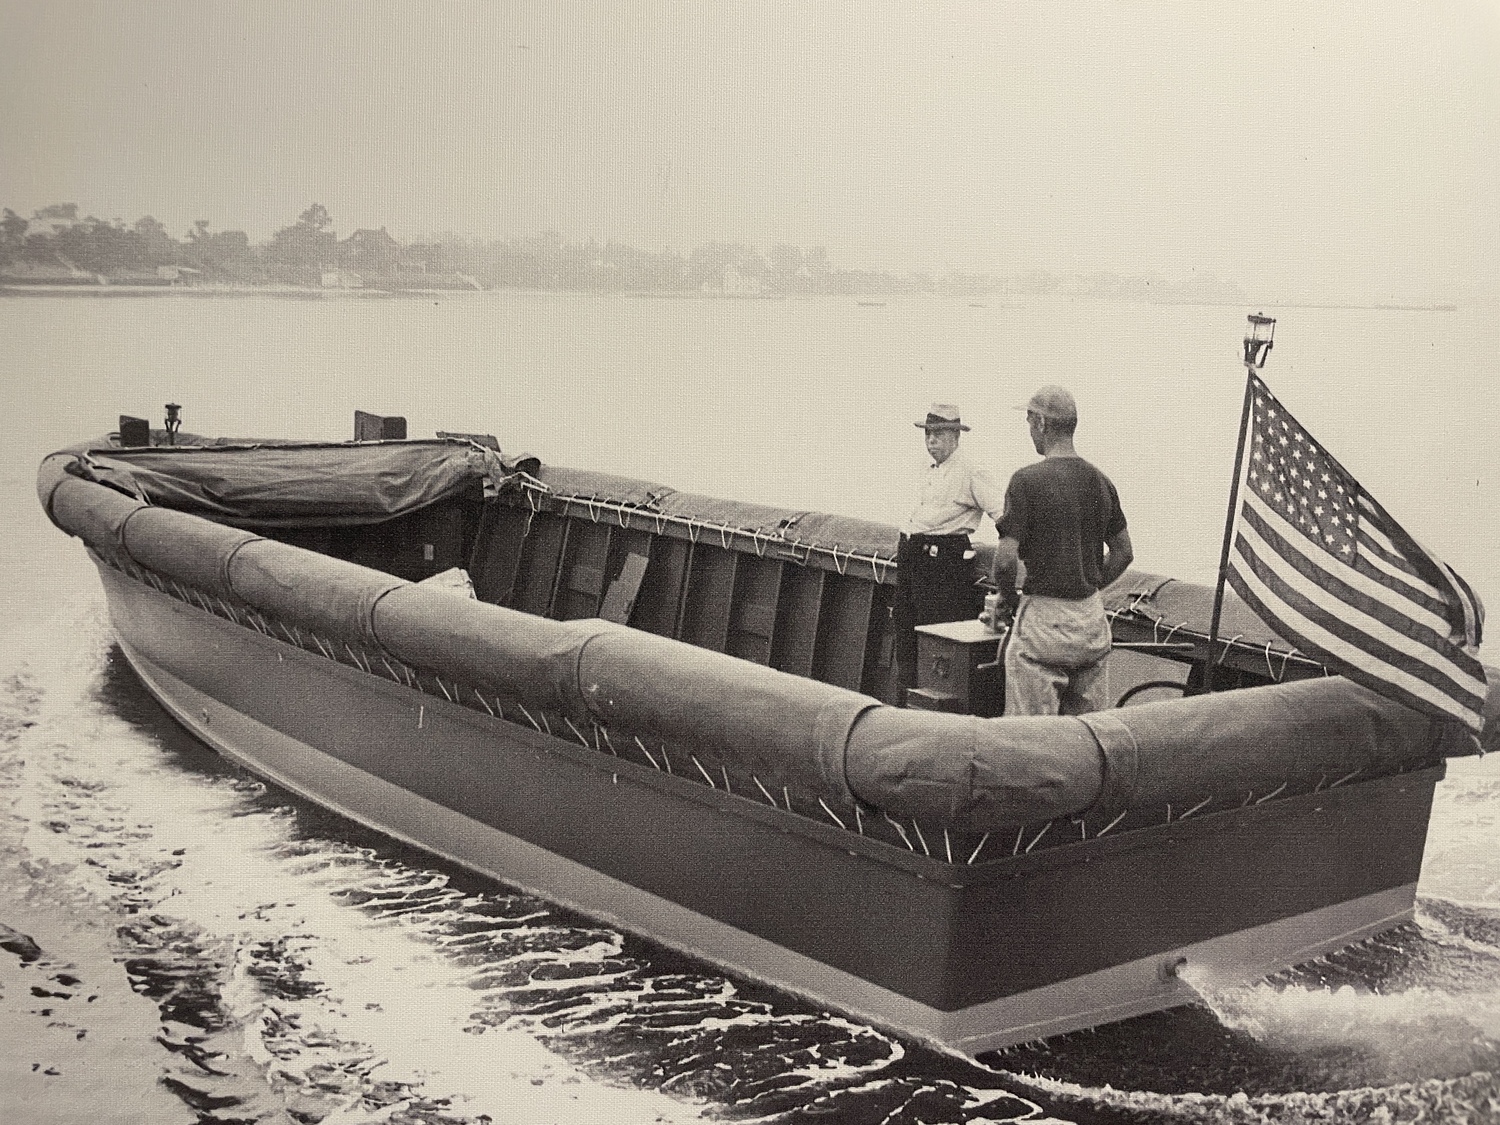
626,564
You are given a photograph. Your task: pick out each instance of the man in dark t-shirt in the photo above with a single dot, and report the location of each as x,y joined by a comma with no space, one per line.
1063,520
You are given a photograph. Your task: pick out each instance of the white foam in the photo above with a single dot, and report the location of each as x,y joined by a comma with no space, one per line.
1459,861
392,1007
1406,1035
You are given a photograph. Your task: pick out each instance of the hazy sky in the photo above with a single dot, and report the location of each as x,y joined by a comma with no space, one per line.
1307,148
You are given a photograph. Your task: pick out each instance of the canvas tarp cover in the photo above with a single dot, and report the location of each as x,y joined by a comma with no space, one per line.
811,529
282,486
585,484
1189,606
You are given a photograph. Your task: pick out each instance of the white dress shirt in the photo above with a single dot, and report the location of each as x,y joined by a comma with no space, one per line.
953,498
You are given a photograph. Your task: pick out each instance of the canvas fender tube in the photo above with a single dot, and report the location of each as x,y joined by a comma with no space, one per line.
184,547
735,717
974,774
92,512
1257,741
1121,760
531,659
49,474
331,598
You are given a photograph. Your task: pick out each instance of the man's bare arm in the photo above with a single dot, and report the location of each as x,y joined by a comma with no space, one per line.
1119,554
1004,569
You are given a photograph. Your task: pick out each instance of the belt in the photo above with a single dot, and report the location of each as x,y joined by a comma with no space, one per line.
956,537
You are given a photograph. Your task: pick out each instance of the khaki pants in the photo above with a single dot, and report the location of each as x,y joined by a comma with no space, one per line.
1055,657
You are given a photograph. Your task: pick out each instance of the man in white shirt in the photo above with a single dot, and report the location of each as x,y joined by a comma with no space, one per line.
935,573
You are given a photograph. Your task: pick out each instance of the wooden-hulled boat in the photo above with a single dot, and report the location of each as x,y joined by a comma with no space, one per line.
672,713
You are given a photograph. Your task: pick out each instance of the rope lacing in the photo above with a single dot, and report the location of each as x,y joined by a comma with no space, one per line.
763,789
833,815
1110,825
1201,804
905,839
1038,837
706,775
977,847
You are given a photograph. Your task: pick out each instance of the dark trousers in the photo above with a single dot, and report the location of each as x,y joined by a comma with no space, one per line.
934,582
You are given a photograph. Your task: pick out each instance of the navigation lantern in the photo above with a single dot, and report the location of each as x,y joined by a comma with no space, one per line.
1258,343
174,420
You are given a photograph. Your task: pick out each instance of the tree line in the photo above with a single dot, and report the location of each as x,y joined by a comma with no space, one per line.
57,244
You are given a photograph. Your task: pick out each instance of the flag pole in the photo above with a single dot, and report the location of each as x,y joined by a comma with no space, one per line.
1257,344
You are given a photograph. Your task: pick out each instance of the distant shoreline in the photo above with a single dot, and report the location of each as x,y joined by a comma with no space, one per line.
149,288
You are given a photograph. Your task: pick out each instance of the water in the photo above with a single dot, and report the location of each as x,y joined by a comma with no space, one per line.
299,963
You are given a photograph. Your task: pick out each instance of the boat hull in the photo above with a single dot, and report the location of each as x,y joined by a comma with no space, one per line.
969,955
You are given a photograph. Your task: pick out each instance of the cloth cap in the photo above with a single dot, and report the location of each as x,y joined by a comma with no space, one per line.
1052,402
942,416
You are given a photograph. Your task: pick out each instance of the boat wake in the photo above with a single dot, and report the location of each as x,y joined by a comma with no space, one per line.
1404,1026
366,979
1419,1002
357,980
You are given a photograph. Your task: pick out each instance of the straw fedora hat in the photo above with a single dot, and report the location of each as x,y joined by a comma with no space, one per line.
942,416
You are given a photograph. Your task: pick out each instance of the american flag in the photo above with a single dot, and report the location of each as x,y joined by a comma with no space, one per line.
1324,565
